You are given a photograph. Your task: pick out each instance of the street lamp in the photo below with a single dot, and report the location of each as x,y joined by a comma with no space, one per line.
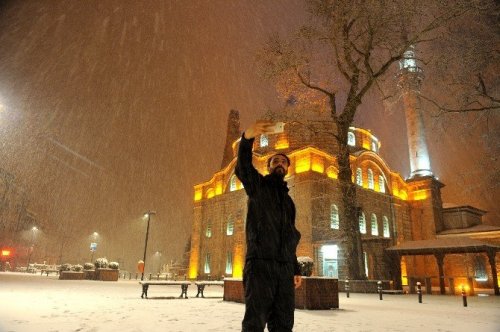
148,215
33,230
93,246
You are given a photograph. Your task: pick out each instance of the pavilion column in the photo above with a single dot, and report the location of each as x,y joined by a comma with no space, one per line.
493,265
440,262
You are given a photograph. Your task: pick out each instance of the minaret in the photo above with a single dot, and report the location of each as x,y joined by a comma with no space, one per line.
410,80
232,134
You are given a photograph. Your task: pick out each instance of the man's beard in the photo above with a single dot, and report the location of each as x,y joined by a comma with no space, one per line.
279,171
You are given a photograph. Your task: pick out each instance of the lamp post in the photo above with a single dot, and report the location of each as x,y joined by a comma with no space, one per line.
147,214
464,296
33,230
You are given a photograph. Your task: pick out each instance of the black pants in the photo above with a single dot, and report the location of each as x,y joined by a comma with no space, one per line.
269,296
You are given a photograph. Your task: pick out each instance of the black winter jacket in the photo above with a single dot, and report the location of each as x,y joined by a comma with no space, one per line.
270,226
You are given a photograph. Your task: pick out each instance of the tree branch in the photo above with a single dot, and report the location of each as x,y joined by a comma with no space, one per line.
443,109
483,91
340,66
313,87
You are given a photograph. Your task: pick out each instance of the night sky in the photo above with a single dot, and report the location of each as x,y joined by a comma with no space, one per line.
111,108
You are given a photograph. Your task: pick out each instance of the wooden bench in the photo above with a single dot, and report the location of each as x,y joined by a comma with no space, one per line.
393,291
202,283
47,271
184,286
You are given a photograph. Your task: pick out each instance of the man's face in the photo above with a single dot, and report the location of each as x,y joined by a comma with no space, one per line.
278,165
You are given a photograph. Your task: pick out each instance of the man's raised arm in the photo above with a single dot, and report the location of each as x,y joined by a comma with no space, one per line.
245,171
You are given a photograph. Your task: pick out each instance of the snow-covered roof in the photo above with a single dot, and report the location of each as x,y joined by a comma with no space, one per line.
442,245
454,208
474,229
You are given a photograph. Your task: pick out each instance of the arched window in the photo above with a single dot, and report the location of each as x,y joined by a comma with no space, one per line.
230,226
374,224
232,183
334,217
207,263
374,146
351,139
208,231
362,223
387,233
229,263
371,184
264,141
381,183
359,177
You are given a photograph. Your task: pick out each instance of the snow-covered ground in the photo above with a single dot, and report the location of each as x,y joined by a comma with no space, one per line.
40,303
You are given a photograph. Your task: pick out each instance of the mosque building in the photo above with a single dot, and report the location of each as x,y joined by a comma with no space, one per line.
407,233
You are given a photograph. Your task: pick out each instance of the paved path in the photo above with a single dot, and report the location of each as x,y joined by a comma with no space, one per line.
40,303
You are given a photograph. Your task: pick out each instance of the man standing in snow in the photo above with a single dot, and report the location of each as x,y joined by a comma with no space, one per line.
271,268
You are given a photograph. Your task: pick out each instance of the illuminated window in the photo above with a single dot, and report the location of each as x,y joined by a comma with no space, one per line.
232,183
264,141
351,139
480,268
230,226
362,223
381,183
404,274
374,146
208,231
408,62
359,177
386,227
332,172
207,263
334,217
374,223
229,263
365,259
371,184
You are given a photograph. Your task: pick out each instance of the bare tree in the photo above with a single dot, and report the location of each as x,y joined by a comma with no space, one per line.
349,48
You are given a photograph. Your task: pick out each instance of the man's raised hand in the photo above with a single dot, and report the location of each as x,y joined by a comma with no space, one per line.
259,127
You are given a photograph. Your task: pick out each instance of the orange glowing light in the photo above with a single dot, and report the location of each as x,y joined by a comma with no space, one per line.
281,144
210,193
198,195
404,278
419,195
218,188
238,261
403,195
193,264
302,164
331,172
6,252
318,166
